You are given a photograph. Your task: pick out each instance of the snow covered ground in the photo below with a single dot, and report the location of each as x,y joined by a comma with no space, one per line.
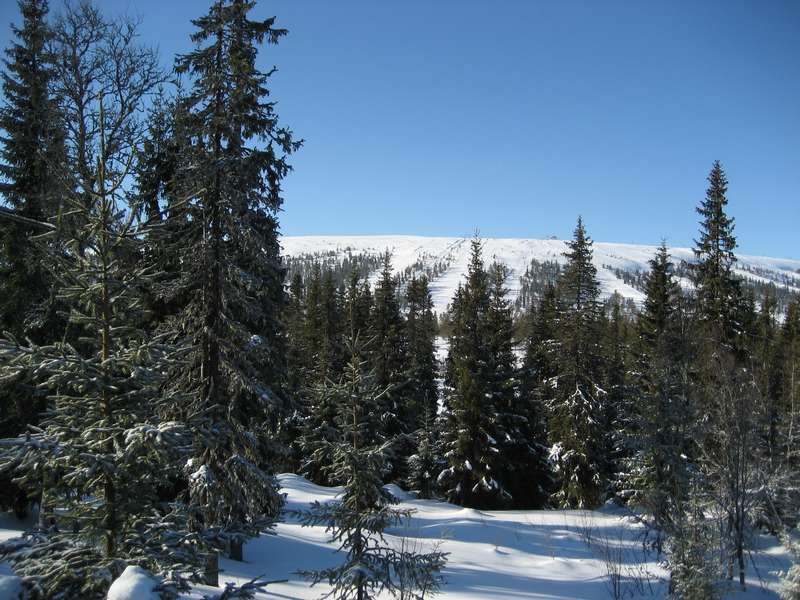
516,253
494,555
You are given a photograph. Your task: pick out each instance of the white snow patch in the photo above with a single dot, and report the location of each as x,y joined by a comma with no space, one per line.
134,584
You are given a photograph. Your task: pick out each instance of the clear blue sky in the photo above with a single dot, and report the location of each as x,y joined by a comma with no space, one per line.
436,118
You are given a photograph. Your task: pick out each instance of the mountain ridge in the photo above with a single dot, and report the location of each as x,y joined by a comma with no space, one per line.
445,260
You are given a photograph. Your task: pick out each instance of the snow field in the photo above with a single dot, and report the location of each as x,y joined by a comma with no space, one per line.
493,555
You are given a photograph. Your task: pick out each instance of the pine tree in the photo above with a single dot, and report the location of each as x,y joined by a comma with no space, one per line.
357,306
104,447
295,330
424,464
235,280
783,424
789,359
718,291
764,350
470,432
729,395
522,469
539,368
388,357
333,350
422,363
658,478
323,327
32,171
576,423
358,521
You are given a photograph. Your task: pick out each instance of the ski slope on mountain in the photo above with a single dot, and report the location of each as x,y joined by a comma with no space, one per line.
516,254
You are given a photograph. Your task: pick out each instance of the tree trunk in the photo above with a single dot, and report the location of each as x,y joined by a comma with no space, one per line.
237,547
211,569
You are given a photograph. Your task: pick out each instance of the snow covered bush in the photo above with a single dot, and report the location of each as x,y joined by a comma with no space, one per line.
791,578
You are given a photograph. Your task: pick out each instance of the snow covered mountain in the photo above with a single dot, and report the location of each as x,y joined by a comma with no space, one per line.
445,259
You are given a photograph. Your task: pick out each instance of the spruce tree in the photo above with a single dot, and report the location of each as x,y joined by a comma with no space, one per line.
425,464
729,395
718,290
470,429
782,433
522,469
618,414
232,270
357,522
423,367
577,412
388,355
764,350
357,305
539,366
789,359
658,477
105,445
296,364
32,169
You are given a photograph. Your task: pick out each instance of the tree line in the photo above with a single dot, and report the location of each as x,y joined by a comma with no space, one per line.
157,368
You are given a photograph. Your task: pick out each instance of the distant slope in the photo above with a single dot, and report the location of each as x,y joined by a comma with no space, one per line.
450,255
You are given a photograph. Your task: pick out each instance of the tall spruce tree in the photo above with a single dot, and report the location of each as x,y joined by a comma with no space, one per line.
423,367
784,429
576,421
357,305
470,430
789,358
618,413
104,445
718,290
388,356
235,280
729,395
658,478
32,169
539,366
523,470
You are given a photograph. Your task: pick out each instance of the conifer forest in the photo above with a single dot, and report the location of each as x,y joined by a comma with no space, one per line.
178,396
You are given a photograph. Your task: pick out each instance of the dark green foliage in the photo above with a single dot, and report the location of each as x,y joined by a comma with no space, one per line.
388,356
105,444
323,347
231,269
470,431
420,331
539,366
718,290
788,402
658,475
579,407
619,405
424,465
31,169
523,468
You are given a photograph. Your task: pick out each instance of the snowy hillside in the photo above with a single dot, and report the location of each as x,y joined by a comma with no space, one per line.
416,252
499,555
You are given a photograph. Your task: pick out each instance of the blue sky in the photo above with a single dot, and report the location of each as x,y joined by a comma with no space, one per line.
513,117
